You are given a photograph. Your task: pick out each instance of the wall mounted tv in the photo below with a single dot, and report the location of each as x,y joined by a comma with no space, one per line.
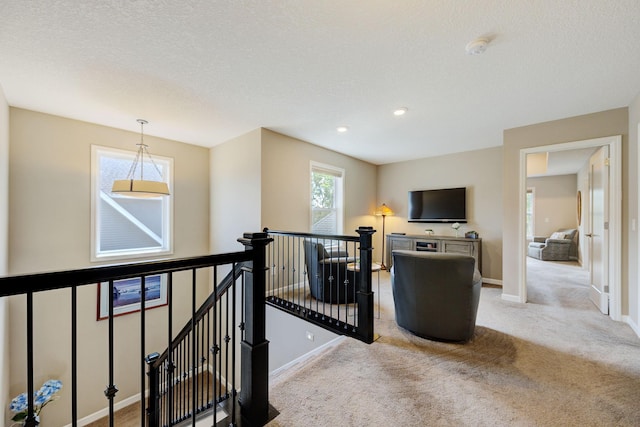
446,205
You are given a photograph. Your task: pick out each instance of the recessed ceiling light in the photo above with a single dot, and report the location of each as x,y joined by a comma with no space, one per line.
477,46
400,111
342,129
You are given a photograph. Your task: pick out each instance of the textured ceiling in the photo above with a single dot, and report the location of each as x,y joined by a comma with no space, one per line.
204,72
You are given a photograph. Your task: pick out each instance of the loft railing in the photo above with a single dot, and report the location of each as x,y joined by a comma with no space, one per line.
317,277
181,380
197,376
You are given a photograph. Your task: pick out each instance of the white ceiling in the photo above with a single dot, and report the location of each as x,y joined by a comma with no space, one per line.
567,162
206,71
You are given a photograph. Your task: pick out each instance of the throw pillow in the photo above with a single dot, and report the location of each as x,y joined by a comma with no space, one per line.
558,235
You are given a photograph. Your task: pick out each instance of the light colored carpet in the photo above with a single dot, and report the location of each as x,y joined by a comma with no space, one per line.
555,361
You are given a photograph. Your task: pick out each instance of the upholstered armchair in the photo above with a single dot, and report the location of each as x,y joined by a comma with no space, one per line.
560,246
329,279
436,295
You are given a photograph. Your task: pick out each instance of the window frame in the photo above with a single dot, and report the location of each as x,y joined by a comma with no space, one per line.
166,248
532,191
338,193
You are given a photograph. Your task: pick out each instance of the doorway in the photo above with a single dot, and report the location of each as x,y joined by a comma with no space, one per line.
614,208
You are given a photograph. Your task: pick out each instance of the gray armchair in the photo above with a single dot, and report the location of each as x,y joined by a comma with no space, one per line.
329,279
560,246
436,295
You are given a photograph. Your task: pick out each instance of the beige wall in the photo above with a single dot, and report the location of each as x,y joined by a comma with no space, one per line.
50,230
480,171
235,191
605,123
4,247
634,253
286,184
555,203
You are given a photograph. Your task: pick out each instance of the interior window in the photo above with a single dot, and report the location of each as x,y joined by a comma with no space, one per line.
128,227
529,212
327,189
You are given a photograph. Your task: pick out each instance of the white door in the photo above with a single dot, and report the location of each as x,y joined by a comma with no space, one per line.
598,230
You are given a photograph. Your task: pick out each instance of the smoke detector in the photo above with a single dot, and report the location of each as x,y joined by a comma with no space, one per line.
477,46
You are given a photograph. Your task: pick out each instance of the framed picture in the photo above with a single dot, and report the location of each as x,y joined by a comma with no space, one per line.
127,295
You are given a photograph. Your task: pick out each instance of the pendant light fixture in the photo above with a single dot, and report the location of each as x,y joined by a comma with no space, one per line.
132,187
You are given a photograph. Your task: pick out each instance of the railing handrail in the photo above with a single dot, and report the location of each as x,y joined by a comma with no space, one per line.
314,235
18,284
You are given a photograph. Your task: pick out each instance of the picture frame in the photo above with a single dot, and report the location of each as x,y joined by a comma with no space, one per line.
127,295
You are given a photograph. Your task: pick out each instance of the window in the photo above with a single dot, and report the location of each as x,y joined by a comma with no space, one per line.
529,212
127,227
327,190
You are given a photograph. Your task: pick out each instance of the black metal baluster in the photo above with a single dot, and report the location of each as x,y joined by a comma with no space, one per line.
214,350
143,295
74,356
234,290
170,356
30,421
111,389
194,349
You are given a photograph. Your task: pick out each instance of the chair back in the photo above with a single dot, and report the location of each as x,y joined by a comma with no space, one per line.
436,294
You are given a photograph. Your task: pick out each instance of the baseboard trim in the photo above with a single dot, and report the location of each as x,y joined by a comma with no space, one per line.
105,411
629,321
511,298
334,342
492,281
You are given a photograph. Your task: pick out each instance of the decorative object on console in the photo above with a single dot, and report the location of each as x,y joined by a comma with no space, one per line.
456,226
132,187
471,234
383,211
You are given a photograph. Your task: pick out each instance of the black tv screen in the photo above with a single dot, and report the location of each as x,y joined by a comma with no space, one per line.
446,205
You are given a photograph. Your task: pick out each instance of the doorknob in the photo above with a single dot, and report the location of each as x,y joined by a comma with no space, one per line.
589,235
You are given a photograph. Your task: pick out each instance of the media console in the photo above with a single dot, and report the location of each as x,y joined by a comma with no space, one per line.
415,242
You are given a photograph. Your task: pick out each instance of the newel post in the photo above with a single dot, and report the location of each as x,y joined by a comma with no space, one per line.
254,351
153,403
364,294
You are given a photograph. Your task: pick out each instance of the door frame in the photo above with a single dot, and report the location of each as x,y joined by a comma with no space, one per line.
615,214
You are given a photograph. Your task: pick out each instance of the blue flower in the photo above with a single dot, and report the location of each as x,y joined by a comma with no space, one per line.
47,393
19,403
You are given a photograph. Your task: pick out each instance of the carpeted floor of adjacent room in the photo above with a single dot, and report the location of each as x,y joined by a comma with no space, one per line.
555,361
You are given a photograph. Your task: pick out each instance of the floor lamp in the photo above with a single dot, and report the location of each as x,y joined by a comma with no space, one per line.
383,211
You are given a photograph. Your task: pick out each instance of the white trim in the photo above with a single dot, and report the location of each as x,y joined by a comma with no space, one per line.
511,298
615,216
492,281
334,342
105,411
637,329
629,321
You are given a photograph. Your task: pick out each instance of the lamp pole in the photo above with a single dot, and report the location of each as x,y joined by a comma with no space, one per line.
383,211
382,266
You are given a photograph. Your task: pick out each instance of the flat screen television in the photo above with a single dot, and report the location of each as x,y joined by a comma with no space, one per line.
445,205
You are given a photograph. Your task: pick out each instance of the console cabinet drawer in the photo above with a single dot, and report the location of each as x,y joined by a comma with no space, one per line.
456,247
